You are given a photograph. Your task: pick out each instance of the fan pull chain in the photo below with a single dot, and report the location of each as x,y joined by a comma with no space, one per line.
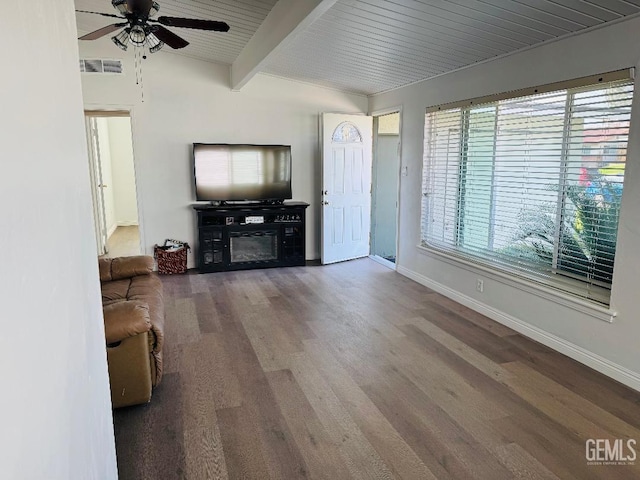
139,56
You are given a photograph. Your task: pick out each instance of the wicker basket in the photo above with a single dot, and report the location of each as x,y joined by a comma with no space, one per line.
172,261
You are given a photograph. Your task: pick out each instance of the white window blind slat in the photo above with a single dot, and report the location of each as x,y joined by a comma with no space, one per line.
531,185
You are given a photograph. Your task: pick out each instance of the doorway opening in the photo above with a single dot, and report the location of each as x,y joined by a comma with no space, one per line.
385,188
113,183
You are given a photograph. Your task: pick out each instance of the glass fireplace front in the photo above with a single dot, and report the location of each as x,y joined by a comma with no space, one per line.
254,246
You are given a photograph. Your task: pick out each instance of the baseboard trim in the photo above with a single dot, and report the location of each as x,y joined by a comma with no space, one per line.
383,261
582,355
112,230
127,224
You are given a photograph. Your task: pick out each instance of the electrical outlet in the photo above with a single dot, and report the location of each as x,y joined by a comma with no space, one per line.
480,285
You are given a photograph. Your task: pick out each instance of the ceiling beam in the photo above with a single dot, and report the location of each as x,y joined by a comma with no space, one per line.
286,20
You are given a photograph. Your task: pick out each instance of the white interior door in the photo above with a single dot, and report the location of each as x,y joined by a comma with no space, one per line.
346,186
97,186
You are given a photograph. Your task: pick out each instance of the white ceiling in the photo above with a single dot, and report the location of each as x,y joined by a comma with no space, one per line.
369,46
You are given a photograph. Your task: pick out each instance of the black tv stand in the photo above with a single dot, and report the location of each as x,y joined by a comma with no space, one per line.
240,203
244,236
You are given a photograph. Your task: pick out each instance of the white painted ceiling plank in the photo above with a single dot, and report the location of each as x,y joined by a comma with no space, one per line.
597,11
527,11
421,41
338,67
561,11
619,6
367,67
484,18
445,40
360,45
287,19
376,8
364,40
446,19
323,60
518,20
490,15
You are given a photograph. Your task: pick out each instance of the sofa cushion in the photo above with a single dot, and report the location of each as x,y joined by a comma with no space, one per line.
124,267
104,265
125,319
127,267
115,291
144,286
148,289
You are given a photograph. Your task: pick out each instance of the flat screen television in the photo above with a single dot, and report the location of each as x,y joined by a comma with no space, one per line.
256,173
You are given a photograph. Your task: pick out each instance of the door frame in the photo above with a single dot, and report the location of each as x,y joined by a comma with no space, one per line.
115,110
380,113
97,193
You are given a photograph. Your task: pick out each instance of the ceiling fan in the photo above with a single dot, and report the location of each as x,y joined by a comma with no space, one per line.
140,27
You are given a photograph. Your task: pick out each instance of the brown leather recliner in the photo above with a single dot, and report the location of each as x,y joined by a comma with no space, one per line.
133,309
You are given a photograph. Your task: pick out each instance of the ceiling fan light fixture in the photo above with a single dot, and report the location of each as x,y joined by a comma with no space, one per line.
121,5
145,32
154,43
121,39
137,36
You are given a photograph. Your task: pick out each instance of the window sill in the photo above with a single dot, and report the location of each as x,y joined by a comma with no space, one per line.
524,284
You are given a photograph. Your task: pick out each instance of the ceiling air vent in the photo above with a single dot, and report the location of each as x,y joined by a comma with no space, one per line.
108,67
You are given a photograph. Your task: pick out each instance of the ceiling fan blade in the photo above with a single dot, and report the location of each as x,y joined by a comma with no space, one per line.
103,31
211,25
140,7
100,13
168,37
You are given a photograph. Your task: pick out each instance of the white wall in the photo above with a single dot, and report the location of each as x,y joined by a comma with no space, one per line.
189,101
104,147
612,348
55,409
122,171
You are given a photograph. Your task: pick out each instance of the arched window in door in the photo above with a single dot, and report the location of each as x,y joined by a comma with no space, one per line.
346,132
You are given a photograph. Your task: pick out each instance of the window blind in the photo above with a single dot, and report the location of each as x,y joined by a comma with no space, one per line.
531,185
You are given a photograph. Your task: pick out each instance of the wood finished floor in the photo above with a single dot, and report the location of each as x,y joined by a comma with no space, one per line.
353,371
